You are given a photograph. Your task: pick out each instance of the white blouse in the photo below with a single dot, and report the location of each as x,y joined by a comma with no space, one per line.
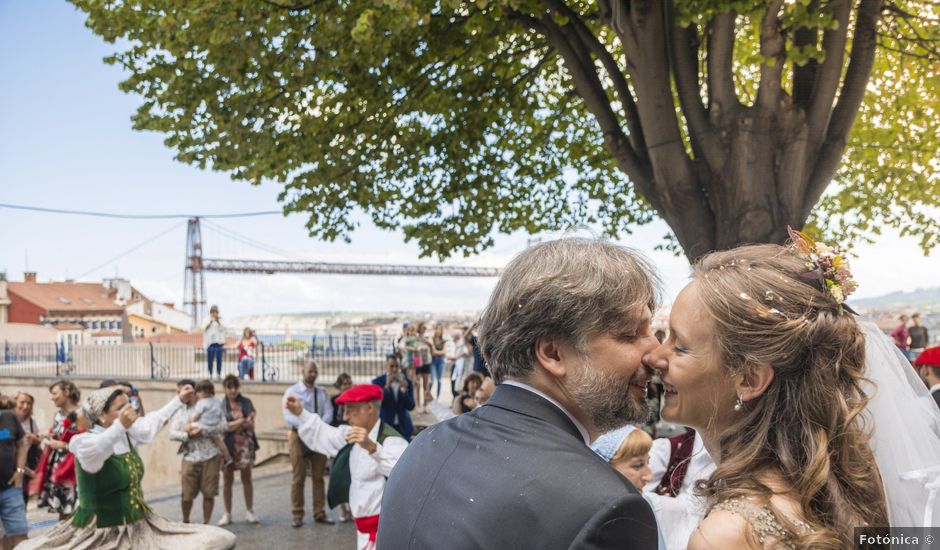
94,447
367,471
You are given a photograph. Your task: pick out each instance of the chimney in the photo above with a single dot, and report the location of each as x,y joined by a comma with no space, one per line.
29,277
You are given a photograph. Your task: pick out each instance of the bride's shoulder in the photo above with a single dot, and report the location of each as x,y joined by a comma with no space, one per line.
748,523
722,529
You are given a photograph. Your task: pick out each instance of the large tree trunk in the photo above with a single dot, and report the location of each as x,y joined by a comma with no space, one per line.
755,169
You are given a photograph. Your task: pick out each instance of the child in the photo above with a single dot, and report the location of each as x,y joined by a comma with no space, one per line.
209,415
632,458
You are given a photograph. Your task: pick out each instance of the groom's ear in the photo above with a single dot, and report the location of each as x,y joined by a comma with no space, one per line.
755,381
552,356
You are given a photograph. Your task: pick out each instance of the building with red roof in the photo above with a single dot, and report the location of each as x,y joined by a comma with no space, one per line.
81,313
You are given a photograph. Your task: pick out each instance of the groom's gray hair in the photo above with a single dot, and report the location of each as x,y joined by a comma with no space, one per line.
570,289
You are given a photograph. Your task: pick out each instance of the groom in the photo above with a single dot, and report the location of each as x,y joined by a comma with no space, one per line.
563,333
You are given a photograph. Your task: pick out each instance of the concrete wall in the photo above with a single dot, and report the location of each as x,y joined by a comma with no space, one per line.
160,457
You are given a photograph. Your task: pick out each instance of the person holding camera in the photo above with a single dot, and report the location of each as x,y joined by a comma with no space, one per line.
398,399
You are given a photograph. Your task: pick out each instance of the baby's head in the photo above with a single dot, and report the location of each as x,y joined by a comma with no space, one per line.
204,388
632,458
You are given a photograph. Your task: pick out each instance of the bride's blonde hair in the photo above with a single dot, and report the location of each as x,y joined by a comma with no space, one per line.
806,427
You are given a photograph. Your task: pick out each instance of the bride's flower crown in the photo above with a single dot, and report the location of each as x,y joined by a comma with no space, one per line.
824,264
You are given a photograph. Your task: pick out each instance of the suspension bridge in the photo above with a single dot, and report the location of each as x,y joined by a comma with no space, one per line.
198,263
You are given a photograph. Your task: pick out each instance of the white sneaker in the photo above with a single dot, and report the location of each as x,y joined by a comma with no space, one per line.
226,519
250,517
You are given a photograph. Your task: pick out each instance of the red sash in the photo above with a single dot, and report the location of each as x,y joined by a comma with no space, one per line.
368,525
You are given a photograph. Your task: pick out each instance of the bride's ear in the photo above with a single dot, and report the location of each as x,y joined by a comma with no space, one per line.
754,382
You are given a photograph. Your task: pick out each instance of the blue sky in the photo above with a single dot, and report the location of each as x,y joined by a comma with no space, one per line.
66,142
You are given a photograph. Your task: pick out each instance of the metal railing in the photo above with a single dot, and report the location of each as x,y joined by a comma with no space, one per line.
361,357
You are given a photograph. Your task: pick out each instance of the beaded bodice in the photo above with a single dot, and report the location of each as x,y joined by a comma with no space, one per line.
770,532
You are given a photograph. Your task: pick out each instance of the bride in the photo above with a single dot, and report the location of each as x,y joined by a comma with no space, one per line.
768,364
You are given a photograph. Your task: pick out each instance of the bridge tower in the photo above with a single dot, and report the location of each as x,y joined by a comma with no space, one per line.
194,284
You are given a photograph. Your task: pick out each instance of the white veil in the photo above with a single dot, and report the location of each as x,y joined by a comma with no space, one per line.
906,433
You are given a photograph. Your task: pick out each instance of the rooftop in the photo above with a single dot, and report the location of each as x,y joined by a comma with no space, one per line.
65,296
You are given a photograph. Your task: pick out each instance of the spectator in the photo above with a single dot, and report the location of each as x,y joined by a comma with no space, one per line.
919,337
314,399
438,353
247,349
902,337
632,458
343,383
23,403
13,449
398,398
242,443
199,469
463,402
399,347
55,481
423,371
473,344
411,352
208,415
214,341
458,358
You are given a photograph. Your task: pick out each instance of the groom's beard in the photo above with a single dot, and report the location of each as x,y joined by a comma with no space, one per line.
608,398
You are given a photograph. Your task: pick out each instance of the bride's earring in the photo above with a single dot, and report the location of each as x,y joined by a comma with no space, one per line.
739,405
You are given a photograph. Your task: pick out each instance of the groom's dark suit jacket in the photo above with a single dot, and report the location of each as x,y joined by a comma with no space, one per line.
514,474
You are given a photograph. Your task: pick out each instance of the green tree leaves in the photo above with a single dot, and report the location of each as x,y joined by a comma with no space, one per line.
452,119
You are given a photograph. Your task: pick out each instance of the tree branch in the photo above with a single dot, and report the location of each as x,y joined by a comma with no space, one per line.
613,70
861,61
829,74
722,99
804,77
641,27
589,87
772,44
684,62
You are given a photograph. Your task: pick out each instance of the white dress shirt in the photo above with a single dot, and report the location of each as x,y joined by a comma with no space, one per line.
313,399
94,447
683,513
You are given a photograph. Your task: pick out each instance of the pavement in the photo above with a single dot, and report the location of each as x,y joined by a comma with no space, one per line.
272,506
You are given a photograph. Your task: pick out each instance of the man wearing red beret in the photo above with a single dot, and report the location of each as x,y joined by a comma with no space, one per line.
365,452
928,365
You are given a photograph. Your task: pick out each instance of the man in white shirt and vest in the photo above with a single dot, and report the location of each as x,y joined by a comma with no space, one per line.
365,452
312,398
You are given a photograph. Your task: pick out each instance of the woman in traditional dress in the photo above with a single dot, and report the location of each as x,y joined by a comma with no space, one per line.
111,512
55,474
